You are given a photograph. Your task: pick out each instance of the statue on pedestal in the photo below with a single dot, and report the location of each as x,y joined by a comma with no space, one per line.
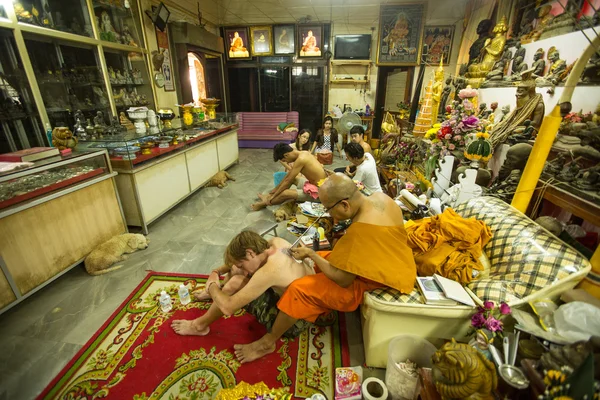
554,74
483,30
436,91
444,100
530,106
543,19
519,52
563,23
539,64
491,53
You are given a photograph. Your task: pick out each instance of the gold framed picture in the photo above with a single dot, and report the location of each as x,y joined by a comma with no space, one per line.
400,33
237,40
261,40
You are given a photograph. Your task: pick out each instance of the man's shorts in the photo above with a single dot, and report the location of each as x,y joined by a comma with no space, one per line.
302,197
264,309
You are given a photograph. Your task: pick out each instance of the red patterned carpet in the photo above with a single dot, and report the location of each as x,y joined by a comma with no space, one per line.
136,355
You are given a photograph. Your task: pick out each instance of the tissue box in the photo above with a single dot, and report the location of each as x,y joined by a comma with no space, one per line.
348,382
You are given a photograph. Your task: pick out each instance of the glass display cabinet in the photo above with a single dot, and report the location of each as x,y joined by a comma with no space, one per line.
129,80
70,78
70,16
50,175
20,126
133,147
116,23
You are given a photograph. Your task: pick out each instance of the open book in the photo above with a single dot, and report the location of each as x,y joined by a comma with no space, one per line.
437,290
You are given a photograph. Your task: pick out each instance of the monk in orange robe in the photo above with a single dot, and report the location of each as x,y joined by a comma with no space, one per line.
310,43
373,253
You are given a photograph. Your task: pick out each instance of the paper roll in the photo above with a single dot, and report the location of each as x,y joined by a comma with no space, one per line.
411,198
381,393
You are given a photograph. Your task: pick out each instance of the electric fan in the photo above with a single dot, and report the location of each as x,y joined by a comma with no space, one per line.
347,121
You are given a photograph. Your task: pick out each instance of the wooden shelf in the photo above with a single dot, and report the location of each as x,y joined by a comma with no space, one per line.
564,197
359,81
351,62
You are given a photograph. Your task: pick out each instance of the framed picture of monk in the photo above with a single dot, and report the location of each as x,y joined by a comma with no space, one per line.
310,40
236,43
400,33
261,40
284,39
438,39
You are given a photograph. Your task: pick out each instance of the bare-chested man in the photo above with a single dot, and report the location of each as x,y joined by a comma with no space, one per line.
305,164
267,271
357,135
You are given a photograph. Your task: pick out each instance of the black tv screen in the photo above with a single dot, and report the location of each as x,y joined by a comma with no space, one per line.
352,47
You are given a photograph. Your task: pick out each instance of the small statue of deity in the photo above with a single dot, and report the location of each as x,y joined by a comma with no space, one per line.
544,17
519,52
483,30
554,74
539,64
490,55
436,91
444,98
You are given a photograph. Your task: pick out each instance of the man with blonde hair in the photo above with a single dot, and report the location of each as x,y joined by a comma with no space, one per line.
257,273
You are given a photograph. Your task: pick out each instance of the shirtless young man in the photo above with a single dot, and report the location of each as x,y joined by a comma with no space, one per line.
357,135
268,272
305,164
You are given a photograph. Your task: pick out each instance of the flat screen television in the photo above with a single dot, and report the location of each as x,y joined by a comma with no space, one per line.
352,47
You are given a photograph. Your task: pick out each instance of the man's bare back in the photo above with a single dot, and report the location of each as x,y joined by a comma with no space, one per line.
282,268
366,147
311,167
380,209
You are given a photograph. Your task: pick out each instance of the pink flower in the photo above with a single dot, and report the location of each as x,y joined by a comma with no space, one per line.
452,122
504,309
467,105
477,320
493,324
448,136
488,305
462,142
458,137
451,146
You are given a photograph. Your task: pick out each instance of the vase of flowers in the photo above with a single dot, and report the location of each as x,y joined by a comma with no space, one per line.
486,324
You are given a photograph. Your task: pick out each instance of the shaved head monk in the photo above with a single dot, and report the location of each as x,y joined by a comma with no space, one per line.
373,253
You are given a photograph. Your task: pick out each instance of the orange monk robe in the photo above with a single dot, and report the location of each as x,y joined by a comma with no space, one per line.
448,245
377,255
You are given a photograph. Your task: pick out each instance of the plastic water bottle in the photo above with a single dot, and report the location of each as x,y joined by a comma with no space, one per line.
165,302
49,134
367,110
184,294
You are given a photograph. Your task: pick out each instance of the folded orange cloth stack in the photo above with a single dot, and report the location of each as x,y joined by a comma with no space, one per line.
448,245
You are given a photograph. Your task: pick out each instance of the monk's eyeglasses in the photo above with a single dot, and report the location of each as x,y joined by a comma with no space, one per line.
336,203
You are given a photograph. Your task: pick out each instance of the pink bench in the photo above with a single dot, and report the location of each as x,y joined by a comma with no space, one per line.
259,129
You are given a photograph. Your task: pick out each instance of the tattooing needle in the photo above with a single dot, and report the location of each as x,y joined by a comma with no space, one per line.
288,251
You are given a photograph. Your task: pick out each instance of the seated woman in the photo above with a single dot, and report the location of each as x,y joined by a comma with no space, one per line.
325,140
301,143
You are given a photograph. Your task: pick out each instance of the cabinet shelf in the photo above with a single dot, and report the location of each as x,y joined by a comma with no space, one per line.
365,65
351,62
358,81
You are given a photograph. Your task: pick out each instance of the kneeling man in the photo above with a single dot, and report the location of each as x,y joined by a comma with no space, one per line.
269,270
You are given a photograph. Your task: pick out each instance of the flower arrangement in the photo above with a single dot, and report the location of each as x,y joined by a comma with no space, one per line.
489,317
449,137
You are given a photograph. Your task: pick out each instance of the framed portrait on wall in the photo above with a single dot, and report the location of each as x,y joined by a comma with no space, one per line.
438,39
284,39
162,41
236,42
400,33
310,40
261,41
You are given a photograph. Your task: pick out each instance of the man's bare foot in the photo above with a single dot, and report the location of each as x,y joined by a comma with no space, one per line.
201,295
258,206
246,353
264,197
187,327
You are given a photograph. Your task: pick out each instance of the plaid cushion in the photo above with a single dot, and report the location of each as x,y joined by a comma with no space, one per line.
524,256
390,295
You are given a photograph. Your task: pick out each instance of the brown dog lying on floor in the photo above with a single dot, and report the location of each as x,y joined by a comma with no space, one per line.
219,179
99,261
285,212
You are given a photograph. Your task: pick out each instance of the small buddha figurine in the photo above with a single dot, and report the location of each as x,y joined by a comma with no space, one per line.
490,55
543,19
563,23
519,52
539,64
125,122
519,66
445,94
436,91
554,74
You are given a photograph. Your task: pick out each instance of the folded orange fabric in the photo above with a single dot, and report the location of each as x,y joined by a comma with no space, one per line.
448,245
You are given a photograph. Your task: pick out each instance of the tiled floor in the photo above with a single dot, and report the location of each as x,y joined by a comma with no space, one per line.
40,335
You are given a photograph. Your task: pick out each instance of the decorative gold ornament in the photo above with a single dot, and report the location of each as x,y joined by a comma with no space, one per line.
245,390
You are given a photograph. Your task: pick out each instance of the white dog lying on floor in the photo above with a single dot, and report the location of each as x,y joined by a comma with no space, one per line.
99,261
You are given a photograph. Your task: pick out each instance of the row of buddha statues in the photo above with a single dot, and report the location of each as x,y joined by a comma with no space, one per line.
497,62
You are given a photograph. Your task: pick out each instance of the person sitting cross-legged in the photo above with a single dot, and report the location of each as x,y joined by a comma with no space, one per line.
267,271
365,170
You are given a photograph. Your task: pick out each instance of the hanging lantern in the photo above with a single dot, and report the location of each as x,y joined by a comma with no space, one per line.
479,150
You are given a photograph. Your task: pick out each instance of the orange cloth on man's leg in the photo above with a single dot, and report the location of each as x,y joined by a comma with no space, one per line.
309,297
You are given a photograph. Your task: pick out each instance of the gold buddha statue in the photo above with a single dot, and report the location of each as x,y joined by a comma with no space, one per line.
490,54
436,91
